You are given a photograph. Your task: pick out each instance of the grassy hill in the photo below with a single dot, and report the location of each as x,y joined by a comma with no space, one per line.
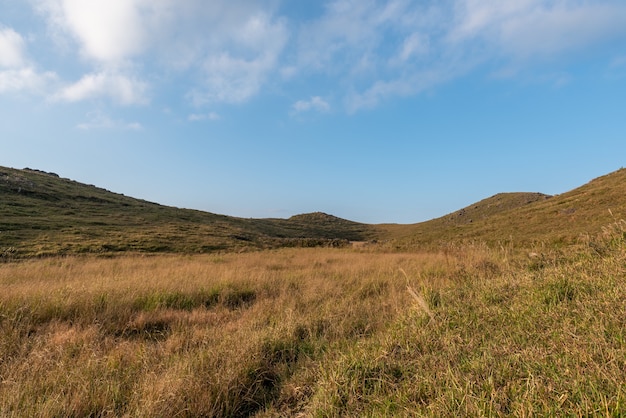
313,332
523,218
43,214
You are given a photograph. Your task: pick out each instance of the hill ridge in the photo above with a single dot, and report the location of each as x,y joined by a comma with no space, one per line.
555,220
44,214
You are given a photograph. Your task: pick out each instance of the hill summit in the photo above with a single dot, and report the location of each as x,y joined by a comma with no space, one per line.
318,217
524,219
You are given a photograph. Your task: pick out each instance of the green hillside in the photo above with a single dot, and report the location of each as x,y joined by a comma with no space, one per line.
523,218
43,214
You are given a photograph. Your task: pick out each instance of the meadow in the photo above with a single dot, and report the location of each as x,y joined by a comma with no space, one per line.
465,330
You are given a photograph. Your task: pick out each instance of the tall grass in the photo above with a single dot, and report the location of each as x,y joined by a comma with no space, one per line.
203,335
506,339
468,331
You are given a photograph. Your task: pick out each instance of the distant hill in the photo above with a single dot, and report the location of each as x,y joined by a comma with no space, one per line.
523,218
44,214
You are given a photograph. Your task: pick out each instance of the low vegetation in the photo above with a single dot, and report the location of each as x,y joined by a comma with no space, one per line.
42,215
520,219
464,331
113,306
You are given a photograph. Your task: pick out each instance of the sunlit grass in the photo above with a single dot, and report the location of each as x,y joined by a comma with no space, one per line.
211,335
469,331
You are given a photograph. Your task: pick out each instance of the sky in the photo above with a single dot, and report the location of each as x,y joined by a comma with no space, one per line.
394,111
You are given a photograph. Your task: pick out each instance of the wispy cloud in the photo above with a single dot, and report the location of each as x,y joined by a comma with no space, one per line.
25,79
528,28
11,48
416,44
230,47
401,86
120,88
99,120
17,74
239,74
349,32
377,50
616,68
315,103
212,116
618,62
364,51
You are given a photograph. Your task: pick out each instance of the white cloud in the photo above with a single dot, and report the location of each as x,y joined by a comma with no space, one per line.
347,30
236,75
377,49
527,28
25,79
315,103
230,46
398,87
559,30
120,88
99,120
231,79
107,31
212,116
288,72
230,51
473,16
11,49
16,74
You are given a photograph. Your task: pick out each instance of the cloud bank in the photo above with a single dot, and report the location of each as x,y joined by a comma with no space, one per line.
229,52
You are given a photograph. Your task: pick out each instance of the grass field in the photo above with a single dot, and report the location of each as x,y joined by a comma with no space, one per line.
462,331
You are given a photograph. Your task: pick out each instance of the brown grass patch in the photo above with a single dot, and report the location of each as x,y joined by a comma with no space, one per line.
467,331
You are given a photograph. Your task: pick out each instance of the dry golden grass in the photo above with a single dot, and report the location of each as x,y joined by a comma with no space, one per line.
543,337
208,335
318,332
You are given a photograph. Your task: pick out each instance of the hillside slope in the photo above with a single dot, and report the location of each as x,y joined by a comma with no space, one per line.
43,214
524,218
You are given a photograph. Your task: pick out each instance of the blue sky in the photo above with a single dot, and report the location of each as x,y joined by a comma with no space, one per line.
375,111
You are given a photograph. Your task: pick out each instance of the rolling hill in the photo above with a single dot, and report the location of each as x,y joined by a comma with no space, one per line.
523,219
43,214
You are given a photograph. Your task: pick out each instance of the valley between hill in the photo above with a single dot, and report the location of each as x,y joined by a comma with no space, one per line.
42,214
513,306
